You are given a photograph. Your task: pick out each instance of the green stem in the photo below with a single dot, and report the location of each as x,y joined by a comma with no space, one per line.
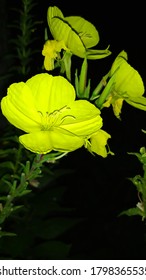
18,158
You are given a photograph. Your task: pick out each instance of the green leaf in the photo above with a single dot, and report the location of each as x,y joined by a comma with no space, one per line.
5,233
7,165
5,153
132,212
15,208
25,192
141,158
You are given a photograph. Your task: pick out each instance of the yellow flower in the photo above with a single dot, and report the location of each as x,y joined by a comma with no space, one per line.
125,84
51,51
45,108
78,34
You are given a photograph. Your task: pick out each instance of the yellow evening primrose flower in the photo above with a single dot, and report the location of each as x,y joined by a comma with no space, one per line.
125,84
44,107
51,52
78,34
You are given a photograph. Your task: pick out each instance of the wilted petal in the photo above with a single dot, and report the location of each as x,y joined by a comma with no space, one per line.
117,107
51,51
99,142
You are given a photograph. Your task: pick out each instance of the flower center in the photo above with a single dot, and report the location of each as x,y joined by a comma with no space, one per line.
51,120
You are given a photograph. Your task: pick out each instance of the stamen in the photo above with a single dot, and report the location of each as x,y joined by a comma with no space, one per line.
49,120
68,116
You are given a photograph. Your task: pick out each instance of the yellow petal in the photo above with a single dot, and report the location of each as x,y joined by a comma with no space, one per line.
48,63
128,81
86,30
77,33
45,141
18,107
51,51
99,142
83,118
61,29
50,93
41,95
117,107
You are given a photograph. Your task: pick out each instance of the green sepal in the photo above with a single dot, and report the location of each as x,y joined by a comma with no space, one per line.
105,93
137,102
97,54
99,87
76,82
83,78
66,64
87,89
82,88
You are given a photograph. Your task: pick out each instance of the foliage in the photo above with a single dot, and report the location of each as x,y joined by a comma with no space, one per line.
139,181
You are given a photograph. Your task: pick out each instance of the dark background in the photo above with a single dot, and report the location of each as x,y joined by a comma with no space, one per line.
97,189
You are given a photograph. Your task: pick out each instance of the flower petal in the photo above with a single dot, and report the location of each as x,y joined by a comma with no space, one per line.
62,30
51,51
117,107
45,141
83,118
41,93
127,79
77,33
99,142
18,107
38,142
86,30
50,93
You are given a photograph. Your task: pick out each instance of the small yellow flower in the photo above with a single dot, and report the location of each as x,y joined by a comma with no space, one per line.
51,51
127,85
78,34
46,110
